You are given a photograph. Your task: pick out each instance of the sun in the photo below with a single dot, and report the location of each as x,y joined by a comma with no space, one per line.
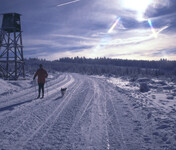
139,6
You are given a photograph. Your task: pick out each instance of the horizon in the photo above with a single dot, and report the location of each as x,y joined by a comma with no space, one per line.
122,29
161,59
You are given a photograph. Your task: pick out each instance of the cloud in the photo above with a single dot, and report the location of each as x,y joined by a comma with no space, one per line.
157,4
161,8
168,52
141,47
73,36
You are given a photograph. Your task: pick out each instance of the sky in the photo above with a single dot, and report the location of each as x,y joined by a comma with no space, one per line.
123,29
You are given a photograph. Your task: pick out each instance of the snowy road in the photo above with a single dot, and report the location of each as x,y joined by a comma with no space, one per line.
93,115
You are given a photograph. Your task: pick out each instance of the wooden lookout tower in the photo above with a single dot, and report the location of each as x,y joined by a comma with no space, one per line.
11,48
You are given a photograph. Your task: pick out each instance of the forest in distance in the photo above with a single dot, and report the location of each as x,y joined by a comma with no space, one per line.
105,66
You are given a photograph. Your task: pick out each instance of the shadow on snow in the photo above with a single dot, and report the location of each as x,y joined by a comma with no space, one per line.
11,107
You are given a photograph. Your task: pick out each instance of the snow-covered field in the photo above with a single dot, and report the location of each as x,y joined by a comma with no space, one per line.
97,113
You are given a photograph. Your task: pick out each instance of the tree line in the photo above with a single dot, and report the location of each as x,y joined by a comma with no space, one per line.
104,66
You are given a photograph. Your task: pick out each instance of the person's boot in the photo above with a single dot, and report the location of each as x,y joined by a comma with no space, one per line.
43,96
38,96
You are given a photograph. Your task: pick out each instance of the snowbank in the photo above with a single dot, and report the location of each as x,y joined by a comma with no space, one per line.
6,87
10,86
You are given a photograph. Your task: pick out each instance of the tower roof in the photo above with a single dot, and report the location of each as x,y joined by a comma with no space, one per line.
11,22
11,13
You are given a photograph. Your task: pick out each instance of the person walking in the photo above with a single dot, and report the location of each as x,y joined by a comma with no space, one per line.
42,74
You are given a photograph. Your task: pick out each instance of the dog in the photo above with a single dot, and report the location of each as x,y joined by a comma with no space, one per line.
63,90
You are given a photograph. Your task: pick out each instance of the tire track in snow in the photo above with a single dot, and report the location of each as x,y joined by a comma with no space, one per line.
140,127
88,130
90,119
106,118
113,136
117,130
97,126
73,133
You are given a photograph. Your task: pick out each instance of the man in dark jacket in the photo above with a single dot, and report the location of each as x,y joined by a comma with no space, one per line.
42,74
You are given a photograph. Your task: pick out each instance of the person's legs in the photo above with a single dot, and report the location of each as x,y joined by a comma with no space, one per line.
42,87
39,89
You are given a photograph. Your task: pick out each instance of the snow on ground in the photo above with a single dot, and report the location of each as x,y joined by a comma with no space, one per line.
162,93
8,87
96,113
159,102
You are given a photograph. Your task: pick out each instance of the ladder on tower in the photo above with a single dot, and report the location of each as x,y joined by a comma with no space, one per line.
1,38
1,70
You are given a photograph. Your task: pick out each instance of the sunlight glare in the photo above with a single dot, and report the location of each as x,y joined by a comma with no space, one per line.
139,6
152,28
114,25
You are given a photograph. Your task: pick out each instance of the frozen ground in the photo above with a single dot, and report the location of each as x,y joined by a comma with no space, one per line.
95,114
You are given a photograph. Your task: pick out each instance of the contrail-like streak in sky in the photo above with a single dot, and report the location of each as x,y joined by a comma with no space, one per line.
163,28
68,3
